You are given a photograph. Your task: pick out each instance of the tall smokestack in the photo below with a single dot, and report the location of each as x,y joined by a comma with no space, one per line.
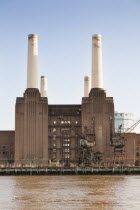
43,86
32,69
87,85
97,75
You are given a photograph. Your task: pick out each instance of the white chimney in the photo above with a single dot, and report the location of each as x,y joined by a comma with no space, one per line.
43,86
97,75
87,86
32,69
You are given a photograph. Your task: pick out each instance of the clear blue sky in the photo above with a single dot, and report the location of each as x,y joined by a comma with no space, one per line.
65,28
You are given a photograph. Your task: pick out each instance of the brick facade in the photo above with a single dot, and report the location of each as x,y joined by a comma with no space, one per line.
44,133
31,129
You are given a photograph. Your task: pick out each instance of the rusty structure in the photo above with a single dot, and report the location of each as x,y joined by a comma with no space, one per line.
66,135
119,143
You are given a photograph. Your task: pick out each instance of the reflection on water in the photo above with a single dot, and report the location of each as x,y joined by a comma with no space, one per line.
69,192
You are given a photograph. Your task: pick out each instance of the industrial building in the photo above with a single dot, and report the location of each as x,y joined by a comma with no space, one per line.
65,134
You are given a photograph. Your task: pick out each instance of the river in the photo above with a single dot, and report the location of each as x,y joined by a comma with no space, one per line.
69,192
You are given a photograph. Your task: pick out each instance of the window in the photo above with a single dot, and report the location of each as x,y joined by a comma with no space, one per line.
54,150
65,122
66,150
67,156
54,130
54,137
66,145
66,136
66,140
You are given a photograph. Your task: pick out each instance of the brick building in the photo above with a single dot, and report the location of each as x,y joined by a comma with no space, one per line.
47,134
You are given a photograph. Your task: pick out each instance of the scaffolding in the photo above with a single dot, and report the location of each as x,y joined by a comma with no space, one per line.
119,142
87,156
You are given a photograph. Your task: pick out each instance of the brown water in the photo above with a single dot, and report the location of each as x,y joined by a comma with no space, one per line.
70,192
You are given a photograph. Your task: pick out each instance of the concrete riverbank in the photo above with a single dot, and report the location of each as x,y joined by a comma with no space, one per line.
70,171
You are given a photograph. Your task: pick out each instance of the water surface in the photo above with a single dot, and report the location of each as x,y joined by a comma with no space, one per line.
69,192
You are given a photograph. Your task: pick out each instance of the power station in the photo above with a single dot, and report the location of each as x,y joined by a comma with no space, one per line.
79,134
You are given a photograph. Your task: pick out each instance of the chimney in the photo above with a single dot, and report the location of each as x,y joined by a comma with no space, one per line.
96,76
87,86
32,69
43,86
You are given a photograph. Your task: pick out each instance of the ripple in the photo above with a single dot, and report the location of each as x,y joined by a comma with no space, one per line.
70,192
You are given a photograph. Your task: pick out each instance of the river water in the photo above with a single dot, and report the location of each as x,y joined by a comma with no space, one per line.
69,192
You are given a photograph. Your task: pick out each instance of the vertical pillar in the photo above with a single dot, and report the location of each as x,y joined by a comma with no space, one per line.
97,75
43,86
32,67
87,86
